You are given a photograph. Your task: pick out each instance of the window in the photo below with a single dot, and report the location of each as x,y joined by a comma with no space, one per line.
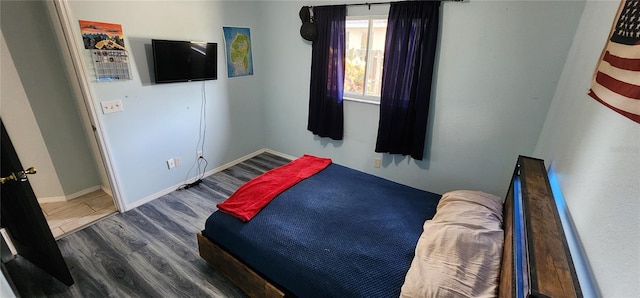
365,38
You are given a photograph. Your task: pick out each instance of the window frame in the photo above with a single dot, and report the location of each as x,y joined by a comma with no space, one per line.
363,98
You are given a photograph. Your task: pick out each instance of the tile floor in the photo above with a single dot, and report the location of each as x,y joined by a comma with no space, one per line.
66,217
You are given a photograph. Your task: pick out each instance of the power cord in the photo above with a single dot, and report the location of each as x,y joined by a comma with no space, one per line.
202,131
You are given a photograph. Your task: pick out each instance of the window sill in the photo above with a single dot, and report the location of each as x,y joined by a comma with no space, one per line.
367,101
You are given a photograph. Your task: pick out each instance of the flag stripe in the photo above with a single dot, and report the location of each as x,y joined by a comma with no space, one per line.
622,88
624,51
627,76
622,63
620,102
632,116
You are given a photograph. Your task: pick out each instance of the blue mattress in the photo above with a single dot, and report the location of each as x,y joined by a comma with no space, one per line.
339,233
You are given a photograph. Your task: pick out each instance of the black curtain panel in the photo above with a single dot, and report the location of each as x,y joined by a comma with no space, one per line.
412,34
327,72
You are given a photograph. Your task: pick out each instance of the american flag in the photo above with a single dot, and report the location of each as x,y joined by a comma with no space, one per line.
616,82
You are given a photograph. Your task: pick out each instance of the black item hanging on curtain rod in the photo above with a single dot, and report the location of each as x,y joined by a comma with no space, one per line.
308,29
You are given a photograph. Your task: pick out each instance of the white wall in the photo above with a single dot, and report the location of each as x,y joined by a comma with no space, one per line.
498,65
595,153
160,122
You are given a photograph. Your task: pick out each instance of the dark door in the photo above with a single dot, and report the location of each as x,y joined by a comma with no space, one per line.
22,217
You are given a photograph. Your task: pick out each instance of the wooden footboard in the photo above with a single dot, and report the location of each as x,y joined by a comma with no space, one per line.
547,268
246,279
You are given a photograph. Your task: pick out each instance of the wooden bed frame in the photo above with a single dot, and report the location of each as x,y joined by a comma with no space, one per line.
546,270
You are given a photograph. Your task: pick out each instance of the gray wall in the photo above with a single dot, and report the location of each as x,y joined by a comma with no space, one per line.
496,72
31,42
498,68
162,121
22,127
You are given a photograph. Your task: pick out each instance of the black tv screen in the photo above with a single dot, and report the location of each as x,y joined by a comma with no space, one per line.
184,61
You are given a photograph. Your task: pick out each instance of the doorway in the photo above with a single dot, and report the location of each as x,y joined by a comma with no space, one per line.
69,216
41,110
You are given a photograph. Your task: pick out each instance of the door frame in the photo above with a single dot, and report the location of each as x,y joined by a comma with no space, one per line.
63,24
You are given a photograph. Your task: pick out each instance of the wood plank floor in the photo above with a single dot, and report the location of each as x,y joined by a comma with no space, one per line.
150,251
67,217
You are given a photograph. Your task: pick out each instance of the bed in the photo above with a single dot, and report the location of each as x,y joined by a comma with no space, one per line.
343,233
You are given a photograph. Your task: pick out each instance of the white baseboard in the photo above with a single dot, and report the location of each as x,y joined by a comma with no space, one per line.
287,156
71,196
107,190
52,199
171,189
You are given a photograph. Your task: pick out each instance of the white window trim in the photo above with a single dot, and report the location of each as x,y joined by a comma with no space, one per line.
362,99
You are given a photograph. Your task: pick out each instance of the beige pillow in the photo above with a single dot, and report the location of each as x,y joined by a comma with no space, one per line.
459,251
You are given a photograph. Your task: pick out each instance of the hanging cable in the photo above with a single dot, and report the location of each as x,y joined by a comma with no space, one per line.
200,163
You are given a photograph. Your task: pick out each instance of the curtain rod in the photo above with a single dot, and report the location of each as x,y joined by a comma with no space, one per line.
377,3
389,2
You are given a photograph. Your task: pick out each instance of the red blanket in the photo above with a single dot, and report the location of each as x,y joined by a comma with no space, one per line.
252,196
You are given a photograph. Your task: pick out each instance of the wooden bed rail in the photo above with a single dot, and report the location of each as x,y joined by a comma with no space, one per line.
536,261
246,279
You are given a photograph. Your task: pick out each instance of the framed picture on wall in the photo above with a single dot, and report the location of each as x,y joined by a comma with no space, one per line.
238,50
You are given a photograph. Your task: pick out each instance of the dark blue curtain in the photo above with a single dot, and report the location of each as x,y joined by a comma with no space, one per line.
327,72
412,34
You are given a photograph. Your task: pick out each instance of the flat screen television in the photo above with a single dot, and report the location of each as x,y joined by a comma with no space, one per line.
184,61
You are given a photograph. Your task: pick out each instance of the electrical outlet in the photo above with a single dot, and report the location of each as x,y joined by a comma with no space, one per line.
199,153
111,106
178,161
171,163
376,162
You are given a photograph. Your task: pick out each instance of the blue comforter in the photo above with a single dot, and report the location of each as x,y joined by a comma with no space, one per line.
339,233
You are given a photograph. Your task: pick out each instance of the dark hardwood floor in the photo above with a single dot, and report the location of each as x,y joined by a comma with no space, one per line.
150,251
